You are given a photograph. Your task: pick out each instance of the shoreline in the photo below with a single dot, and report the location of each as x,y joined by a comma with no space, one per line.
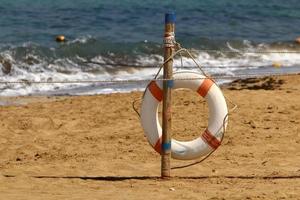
23,99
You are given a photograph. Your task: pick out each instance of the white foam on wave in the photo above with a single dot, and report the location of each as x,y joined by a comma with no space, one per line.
66,69
240,60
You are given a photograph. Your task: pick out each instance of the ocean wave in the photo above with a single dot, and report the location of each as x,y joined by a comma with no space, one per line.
88,58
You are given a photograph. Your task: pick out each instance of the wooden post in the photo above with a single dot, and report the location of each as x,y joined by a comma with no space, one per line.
169,40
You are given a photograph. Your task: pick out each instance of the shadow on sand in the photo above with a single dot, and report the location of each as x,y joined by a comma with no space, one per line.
124,178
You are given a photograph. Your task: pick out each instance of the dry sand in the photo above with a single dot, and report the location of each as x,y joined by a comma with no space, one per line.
92,147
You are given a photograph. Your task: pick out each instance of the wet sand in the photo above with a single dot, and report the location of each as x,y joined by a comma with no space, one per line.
93,147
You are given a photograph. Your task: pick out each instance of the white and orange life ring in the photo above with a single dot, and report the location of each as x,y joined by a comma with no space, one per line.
210,139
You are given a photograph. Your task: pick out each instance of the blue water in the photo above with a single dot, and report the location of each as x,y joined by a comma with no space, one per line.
134,20
114,33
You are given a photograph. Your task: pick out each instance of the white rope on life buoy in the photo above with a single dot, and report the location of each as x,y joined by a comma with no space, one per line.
218,113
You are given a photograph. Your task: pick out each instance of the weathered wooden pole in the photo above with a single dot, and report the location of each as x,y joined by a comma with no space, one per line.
169,44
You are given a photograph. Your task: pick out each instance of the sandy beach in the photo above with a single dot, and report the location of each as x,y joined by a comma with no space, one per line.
93,147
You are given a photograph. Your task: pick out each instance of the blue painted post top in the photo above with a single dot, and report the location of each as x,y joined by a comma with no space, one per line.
170,18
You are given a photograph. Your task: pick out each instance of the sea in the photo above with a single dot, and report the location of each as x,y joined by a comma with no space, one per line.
122,41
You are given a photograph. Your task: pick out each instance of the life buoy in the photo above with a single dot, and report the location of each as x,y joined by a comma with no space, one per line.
210,139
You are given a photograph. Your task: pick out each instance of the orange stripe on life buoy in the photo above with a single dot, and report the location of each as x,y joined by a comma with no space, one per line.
205,86
155,91
211,140
157,146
